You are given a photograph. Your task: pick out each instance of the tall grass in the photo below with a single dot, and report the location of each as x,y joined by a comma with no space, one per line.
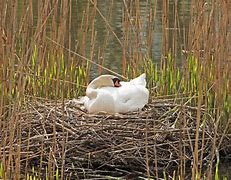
39,59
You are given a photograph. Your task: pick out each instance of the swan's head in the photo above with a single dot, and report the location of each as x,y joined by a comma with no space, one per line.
106,81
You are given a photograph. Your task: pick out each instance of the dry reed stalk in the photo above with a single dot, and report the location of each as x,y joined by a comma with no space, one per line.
151,31
125,22
221,57
165,26
208,42
54,23
3,39
93,33
137,36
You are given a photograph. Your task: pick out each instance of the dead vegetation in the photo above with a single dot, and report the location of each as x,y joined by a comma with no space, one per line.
61,135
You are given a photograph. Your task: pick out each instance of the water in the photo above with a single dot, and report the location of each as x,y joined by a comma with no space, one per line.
113,51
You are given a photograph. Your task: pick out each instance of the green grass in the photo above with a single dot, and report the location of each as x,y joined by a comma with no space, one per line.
1,170
54,78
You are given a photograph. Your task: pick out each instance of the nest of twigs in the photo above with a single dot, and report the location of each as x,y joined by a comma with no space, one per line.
158,137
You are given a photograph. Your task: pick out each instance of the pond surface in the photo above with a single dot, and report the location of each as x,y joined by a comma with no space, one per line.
113,30
113,51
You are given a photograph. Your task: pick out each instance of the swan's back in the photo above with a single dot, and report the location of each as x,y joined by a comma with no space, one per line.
133,95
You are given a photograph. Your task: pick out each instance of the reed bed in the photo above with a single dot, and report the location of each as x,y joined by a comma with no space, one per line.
49,53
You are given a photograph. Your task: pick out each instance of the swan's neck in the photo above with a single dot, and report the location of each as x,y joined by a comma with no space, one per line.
91,91
96,84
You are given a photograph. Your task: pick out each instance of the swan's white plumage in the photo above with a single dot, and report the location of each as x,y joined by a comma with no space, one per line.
102,96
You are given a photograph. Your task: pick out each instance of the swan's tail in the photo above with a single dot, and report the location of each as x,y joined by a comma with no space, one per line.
80,100
140,80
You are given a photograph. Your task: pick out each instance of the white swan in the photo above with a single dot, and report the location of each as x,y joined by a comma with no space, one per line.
107,94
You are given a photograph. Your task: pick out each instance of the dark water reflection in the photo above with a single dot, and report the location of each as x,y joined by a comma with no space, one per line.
113,50
225,168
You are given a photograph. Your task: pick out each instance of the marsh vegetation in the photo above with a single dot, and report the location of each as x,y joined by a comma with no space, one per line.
50,50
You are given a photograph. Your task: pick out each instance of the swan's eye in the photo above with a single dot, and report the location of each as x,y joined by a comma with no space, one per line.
116,82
